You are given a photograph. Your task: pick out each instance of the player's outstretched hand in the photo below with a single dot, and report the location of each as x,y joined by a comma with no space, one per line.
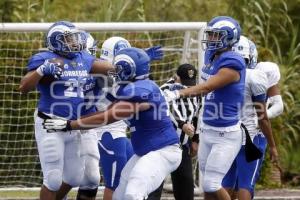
155,53
171,95
57,125
50,69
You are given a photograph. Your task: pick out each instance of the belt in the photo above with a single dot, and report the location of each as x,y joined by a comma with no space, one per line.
42,115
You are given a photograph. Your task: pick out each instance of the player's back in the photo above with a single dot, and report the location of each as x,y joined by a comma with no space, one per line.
271,70
255,90
151,129
63,97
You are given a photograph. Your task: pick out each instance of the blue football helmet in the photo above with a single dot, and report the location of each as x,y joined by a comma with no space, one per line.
64,38
221,32
132,64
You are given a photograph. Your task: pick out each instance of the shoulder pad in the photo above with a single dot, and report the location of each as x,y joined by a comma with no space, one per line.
271,70
232,60
258,81
38,59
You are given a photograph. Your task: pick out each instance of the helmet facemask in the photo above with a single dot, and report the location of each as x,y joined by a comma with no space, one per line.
71,41
213,39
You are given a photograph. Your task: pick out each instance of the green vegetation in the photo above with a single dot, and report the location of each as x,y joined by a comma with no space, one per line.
272,24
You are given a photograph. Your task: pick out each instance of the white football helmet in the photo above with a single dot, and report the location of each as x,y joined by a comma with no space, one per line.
91,44
111,46
248,51
253,55
243,48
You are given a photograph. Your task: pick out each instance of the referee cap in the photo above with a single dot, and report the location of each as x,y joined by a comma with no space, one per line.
187,74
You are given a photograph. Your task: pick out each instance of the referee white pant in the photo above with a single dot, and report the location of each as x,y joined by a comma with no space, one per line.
144,174
216,153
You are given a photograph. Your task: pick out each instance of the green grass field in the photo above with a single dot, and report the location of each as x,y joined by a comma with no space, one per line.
15,194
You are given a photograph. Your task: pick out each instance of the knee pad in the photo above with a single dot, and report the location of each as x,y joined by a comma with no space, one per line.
73,179
86,194
53,180
212,181
91,172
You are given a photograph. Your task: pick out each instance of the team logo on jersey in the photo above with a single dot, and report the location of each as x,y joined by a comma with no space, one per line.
73,63
191,73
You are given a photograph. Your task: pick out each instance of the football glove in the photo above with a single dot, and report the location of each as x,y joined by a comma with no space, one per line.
48,69
53,125
171,95
155,53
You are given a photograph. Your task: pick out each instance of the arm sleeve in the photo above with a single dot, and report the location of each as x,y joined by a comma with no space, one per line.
275,106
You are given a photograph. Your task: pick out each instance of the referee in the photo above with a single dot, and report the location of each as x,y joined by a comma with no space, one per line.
183,113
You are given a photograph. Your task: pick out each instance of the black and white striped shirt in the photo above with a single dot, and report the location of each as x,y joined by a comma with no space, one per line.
183,110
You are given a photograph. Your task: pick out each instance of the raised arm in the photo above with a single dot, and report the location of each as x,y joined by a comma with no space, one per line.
32,78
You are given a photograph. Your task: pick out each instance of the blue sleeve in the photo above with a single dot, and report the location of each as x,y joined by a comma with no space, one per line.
35,61
134,94
232,60
259,98
38,59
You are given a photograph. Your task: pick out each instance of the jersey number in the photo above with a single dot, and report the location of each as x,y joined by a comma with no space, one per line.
74,88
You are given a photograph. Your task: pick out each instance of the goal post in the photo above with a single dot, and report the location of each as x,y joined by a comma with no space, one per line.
19,163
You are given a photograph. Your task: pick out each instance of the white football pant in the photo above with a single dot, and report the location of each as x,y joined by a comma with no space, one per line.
144,174
60,156
91,156
217,151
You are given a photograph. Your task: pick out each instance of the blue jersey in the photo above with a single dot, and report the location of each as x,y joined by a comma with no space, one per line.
222,107
91,91
64,97
151,129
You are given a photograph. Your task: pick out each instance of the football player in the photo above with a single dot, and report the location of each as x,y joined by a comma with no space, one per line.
153,136
114,146
243,174
224,86
59,75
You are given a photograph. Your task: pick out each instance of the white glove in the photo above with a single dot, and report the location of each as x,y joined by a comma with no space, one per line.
53,125
171,95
